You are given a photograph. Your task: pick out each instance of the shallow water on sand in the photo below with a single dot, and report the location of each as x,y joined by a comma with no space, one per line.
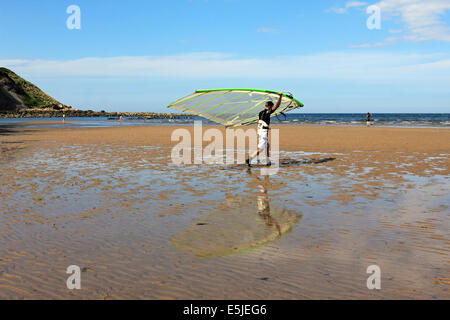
141,227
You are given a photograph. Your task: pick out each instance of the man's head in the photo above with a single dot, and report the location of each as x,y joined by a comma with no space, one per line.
269,104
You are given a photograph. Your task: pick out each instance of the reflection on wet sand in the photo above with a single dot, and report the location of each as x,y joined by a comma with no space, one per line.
263,206
240,223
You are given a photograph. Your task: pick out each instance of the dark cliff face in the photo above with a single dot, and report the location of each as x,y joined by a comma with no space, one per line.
10,94
17,93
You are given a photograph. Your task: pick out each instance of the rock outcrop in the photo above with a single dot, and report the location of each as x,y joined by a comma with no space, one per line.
17,94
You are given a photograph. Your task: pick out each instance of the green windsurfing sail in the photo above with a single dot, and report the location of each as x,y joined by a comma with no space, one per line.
233,107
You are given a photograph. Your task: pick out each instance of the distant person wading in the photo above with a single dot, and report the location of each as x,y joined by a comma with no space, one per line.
368,116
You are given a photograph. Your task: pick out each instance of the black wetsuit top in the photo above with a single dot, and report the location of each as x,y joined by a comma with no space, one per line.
265,116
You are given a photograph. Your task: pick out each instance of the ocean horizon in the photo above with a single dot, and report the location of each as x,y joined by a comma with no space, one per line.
425,120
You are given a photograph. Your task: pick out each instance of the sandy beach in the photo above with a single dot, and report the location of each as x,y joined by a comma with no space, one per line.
110,201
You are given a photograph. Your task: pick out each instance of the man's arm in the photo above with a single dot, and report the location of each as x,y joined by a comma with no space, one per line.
274,108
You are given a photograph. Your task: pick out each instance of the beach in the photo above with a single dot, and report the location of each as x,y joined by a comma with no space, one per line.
111,201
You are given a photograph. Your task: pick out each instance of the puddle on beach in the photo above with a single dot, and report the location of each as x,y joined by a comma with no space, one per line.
237,225
142,227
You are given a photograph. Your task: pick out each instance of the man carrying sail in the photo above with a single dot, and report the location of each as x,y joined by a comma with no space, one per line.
263,129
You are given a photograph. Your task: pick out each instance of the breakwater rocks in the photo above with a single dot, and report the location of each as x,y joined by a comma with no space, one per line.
89,113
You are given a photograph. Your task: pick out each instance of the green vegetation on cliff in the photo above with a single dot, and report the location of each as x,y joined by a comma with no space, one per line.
22,99
25,92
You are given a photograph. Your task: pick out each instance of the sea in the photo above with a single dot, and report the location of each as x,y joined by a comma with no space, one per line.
425,120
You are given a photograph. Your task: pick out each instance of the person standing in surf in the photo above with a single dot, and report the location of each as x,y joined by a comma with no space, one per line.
263,130
368,115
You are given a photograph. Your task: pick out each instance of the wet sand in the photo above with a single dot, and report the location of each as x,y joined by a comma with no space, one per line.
110,201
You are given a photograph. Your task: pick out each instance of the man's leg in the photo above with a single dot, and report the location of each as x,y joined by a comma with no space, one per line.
254,154
263,144
269,163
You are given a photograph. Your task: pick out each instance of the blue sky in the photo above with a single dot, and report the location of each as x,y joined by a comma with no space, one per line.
141,55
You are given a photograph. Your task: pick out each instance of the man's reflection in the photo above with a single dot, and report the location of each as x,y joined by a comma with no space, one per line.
263,203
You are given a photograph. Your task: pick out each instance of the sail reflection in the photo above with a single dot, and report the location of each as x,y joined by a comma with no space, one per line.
238,224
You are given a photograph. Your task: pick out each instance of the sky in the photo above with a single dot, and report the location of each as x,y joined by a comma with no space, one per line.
140,55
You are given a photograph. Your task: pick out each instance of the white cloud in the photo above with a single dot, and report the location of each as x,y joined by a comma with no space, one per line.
383,43
268,30
422,18
357,66
348,5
